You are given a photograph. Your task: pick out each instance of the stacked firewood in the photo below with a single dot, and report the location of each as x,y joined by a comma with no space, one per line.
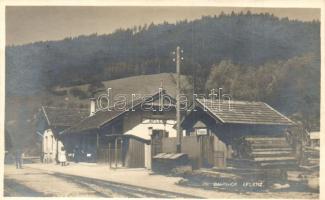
270,151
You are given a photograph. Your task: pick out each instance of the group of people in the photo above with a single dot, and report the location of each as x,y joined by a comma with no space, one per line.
62,156
77,154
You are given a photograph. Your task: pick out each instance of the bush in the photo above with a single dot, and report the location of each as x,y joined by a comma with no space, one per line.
59,93
76,92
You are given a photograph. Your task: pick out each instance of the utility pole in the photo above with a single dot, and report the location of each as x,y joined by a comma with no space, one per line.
178,114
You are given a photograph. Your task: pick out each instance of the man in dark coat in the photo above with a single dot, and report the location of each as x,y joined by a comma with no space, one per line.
76,154
19,160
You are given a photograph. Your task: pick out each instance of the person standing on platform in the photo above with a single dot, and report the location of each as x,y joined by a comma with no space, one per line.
62,157
18,159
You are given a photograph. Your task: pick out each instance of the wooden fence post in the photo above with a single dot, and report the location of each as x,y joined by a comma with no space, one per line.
116,152
121,152
109,155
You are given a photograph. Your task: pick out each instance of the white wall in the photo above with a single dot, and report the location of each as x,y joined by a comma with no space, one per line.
147,156
141,130
49,146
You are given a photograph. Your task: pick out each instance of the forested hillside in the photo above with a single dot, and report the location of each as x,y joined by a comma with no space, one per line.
252,56
247,39
291,86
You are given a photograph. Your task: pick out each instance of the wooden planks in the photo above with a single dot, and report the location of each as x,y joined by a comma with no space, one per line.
135,154
268,151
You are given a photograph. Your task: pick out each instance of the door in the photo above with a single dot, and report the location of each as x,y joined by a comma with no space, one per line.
136,154
206,151
156,139
219,152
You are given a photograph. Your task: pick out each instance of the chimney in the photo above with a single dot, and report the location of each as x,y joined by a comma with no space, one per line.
92,106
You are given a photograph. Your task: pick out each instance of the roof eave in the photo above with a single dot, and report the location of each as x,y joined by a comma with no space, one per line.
129,109
207,109
84,131
290,121
46,117
259,123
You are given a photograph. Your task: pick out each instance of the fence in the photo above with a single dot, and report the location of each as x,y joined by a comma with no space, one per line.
126,152
110,156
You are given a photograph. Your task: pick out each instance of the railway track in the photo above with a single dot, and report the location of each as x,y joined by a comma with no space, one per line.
82,186
109,188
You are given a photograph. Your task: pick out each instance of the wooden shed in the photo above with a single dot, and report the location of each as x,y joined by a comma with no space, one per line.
239,129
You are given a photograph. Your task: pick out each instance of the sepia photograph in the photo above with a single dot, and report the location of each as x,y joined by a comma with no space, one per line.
162,101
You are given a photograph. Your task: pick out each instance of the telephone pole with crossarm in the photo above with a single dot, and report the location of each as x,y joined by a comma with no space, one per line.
178,59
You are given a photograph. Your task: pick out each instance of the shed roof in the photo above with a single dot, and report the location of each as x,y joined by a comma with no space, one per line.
99,119
243,112
127,136
63,117
102,117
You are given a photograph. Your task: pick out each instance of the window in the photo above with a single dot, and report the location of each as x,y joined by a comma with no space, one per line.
159,134
46,144
52,143
157,112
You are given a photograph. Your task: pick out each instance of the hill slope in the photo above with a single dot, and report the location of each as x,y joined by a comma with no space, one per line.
246,39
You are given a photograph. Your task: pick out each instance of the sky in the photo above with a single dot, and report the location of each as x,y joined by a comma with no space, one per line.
26,24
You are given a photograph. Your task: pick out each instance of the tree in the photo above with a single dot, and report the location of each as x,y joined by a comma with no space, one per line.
76,92
286,85
223,75
95,86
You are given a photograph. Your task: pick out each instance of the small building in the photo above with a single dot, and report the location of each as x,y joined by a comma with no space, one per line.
223,127
119,130
51,121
